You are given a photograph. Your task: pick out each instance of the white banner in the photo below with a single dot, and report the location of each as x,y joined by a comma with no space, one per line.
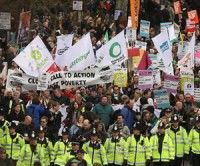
35,59
113,52
64,42
79,56
62,79
162,44
20,79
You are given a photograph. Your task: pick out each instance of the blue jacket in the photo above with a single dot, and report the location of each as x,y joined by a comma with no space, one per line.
35,112
129,116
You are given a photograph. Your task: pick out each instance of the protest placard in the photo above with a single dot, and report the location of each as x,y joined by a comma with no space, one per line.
144,28
171,83
187,80
145,79
5,20
197,94
121,78
164,26
177,7
141,45
43,82
78,5
161,98
193,16
24,26
156,77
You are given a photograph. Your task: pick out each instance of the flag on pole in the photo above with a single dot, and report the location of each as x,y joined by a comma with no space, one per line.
162,44
78,57
35,59
64,42
113,52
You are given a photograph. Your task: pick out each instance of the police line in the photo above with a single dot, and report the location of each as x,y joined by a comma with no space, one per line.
62,79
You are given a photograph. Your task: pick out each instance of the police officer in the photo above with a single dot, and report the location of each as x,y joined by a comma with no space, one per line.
13,143
116,149
78,159
61,149
48,147
179,138
95,149
75,149
194,142
162,147
31,153
138,147
3,127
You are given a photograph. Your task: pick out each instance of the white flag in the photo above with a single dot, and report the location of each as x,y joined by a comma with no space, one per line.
162,44
79,56
188,59
113,52
35,59
64,42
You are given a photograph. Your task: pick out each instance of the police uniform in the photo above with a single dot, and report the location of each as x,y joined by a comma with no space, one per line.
48,148
61,149
194,142
13,143
162,147
138,148
179,139
31,153
73,153
3,127
116,148
95,150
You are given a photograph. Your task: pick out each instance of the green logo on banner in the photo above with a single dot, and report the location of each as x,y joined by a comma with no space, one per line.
115,50
36,55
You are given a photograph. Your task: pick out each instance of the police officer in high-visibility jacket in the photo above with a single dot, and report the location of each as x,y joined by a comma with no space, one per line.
61,149
139,151
194,141
47,146
3,126
95,149
162,147
179,138
31,154
73,152
13,143
116,148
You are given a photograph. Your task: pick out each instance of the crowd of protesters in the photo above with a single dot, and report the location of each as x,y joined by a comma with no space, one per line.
103,124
